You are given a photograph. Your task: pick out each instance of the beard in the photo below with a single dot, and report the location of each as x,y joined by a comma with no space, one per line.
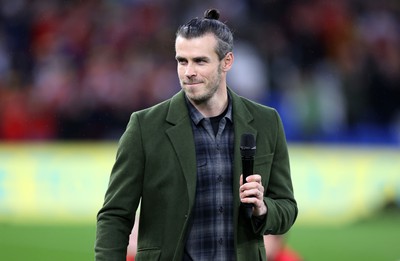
206,92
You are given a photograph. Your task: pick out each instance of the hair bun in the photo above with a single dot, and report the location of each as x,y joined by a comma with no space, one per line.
211,14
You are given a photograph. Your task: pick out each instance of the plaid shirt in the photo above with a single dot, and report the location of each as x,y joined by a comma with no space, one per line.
210,236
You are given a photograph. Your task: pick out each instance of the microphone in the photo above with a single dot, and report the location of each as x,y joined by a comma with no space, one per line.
247,151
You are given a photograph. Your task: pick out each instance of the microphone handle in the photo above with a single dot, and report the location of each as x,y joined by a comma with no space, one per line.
247,166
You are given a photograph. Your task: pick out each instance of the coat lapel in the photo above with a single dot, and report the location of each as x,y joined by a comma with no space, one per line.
242,119
181,136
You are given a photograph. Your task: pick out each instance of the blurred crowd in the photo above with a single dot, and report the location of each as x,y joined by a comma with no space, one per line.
78,69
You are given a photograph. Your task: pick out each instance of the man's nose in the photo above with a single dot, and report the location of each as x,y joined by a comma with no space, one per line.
190,71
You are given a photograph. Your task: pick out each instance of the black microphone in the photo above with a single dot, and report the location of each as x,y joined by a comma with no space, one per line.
247,151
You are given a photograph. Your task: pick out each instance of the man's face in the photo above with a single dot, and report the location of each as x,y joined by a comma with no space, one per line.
199,68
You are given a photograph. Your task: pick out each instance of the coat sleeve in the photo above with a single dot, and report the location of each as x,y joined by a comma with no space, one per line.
116,217
279,196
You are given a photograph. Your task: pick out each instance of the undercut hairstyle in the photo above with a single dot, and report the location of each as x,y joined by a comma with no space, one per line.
199,27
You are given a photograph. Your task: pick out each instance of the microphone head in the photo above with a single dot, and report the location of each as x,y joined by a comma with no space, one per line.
247,145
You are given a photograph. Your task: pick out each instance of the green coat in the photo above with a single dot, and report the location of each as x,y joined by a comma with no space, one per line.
156,167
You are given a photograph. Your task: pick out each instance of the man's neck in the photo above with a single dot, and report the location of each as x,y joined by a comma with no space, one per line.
215,106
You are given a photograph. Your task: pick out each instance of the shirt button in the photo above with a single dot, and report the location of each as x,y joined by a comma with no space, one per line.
221,209
220,241
219,178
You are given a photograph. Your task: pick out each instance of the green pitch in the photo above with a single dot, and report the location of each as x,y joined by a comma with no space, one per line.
374,239
46,243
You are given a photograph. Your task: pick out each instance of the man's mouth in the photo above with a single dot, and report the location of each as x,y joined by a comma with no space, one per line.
192,83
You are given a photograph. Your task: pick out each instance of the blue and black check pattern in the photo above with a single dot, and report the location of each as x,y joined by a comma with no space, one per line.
210,236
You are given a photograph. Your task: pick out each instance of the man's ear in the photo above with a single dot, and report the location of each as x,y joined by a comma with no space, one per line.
227,62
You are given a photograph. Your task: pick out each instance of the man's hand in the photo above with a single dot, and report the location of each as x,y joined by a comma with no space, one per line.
253,192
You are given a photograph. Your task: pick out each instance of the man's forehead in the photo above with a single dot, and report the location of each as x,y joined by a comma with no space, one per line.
197,46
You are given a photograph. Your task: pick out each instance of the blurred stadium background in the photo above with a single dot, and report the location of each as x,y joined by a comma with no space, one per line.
71,72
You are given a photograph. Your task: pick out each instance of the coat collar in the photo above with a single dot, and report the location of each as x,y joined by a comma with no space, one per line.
178,110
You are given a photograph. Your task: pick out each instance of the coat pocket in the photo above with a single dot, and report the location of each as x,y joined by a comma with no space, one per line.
148,254
253,250
263,165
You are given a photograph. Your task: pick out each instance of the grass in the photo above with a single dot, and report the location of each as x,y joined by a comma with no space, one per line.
45,243
376,238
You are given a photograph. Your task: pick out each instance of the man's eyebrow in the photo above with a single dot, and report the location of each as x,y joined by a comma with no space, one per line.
201,58
198,58
179,58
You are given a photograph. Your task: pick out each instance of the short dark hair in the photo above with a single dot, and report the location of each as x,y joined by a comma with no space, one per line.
198,27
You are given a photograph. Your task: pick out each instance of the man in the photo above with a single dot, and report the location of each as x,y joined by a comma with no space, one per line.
277,249
181,161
